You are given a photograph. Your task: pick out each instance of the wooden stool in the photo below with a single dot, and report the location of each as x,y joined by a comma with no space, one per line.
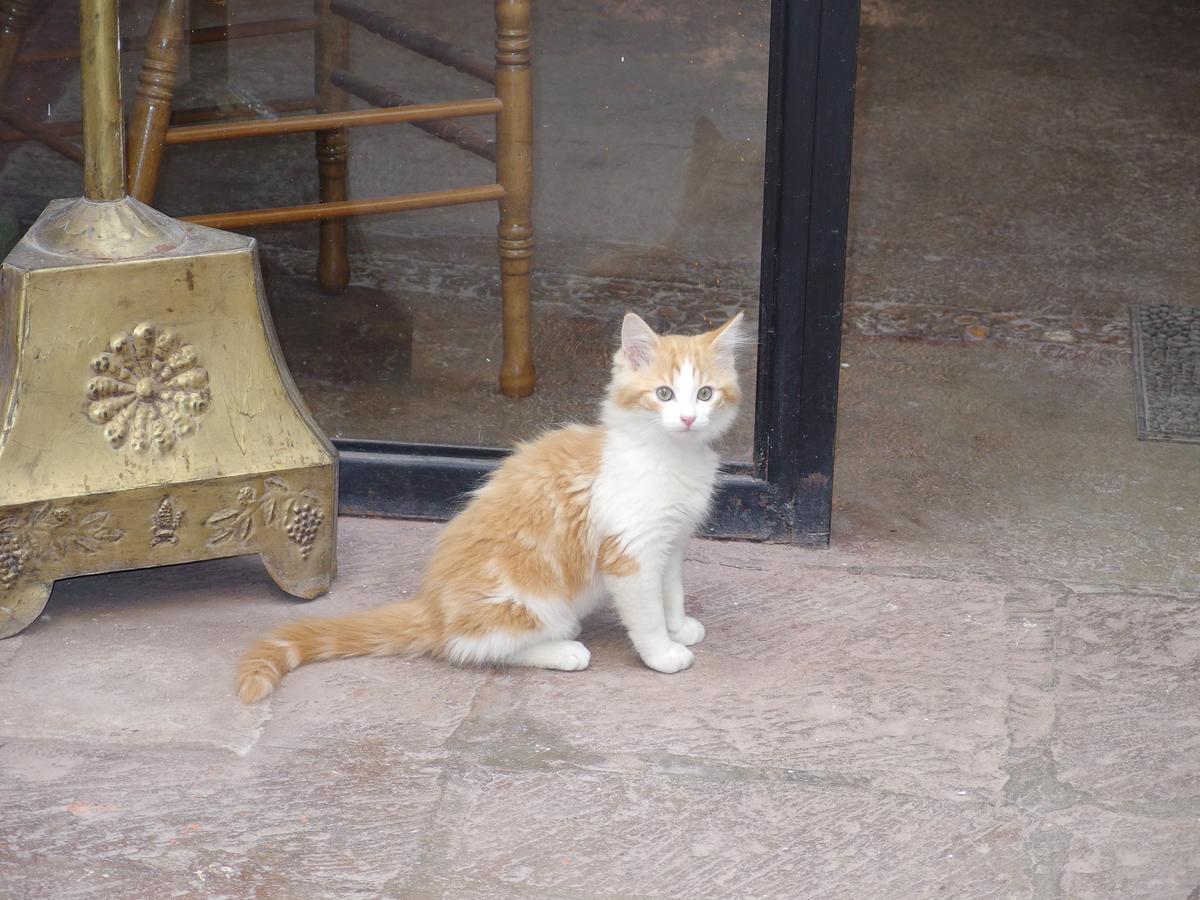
151,130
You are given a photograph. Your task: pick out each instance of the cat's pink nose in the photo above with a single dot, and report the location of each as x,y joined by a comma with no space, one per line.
687,421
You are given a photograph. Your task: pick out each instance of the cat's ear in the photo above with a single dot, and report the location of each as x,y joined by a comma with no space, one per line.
638,341
705,132
730,338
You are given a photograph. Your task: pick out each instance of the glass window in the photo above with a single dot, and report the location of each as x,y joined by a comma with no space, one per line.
648,160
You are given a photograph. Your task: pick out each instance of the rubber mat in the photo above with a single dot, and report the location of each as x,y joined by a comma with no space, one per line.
1166,364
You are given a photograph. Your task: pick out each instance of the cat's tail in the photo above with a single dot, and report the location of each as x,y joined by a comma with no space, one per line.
400,628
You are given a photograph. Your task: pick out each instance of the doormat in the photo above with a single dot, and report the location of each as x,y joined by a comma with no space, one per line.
1166,366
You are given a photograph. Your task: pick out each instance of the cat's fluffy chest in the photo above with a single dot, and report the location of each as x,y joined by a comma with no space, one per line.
651,493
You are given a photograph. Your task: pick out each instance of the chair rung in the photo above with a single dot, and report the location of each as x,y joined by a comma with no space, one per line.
424,112
420,42
182,116
39,132
446,130
345,208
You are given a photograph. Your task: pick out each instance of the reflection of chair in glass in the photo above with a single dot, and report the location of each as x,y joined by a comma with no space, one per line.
15,16
150,130
14,19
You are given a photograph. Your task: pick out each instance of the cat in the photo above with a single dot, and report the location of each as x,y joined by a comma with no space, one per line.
719,221
580,513
721,215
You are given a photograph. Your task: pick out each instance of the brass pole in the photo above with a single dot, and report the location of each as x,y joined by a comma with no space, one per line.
103,120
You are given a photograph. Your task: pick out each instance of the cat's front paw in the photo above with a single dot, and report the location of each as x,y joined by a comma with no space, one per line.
569,656
689,633
672,658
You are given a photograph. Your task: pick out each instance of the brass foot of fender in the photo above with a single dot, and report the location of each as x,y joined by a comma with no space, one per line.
20,604
148,417
306,581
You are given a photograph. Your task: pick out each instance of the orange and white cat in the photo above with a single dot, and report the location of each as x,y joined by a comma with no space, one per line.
577,515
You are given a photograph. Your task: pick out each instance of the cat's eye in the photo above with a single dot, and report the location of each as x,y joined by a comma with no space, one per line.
664,393
705,393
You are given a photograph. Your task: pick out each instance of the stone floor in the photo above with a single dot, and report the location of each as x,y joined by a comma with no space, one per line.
858,724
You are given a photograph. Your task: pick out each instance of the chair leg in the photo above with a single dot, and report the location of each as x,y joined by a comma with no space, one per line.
14,19
155,94
514,172
332,53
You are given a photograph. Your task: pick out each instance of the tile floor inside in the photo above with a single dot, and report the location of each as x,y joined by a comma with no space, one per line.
986,687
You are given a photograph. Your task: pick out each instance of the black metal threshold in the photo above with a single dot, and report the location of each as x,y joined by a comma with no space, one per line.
425,481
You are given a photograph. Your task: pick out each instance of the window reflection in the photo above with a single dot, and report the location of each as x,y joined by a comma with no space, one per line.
649,121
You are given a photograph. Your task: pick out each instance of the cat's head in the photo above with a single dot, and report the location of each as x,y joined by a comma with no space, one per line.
683,385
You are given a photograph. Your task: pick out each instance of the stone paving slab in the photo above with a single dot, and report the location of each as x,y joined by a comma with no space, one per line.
1128,696
1114,855
806,680
135,658
600,834
148,658
82,821
901,730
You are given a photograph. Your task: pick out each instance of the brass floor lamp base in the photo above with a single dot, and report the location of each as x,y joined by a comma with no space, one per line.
148,417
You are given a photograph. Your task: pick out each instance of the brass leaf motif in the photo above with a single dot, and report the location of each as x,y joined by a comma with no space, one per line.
49,532
221,516
301,517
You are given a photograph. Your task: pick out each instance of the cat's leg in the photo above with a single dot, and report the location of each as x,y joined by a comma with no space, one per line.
681,627
508,630
565,656
638,597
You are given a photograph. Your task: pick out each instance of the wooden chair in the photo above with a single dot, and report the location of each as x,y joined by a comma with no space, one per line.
151,131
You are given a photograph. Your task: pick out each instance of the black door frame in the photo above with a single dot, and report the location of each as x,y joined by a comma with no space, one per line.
786,493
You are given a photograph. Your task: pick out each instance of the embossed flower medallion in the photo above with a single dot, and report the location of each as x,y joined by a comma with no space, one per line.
148,390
